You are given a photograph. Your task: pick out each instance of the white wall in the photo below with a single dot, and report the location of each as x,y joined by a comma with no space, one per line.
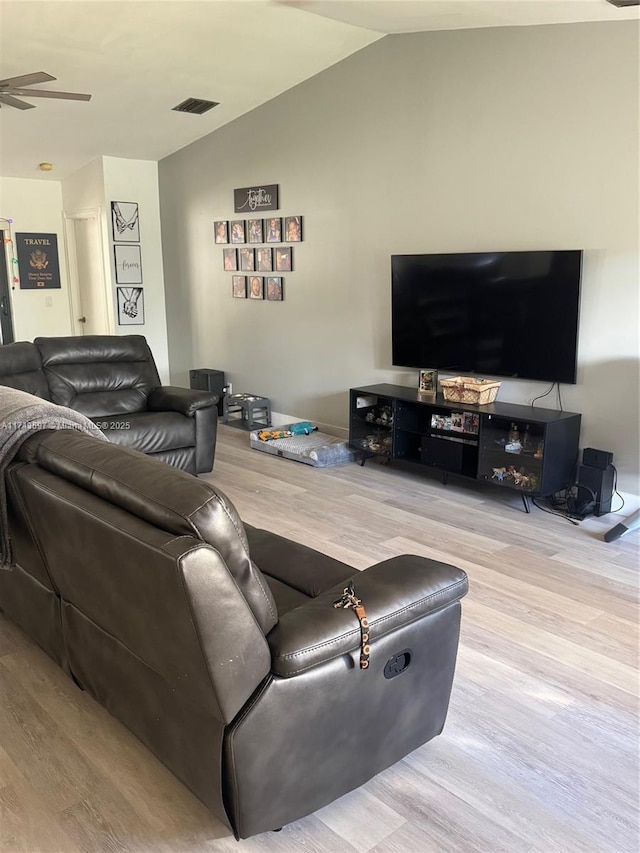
36,206
471,140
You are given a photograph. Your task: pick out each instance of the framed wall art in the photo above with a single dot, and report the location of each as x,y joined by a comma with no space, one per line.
230,259
273,227
274,288
284,259
125,225
130,306
256,287
247,259
265,259
128,263
239,285
292,229
255,231
237,231
221,231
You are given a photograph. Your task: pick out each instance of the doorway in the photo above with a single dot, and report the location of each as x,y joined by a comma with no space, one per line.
6,320
91,309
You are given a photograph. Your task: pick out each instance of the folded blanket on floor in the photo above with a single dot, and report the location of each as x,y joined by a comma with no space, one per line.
21,415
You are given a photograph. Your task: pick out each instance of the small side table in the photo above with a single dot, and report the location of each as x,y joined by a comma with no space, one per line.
254,411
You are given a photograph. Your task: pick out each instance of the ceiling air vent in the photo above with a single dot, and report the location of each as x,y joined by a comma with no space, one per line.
196,106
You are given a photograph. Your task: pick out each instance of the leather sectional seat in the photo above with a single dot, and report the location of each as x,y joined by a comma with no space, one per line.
113,380
217,643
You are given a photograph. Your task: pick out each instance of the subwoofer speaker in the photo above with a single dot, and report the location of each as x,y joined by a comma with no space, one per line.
597,458
600,481
204,379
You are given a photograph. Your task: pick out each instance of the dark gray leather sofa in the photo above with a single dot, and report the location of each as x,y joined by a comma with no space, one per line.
217,643
114,381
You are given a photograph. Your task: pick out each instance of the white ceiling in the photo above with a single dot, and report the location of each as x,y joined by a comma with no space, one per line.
140,59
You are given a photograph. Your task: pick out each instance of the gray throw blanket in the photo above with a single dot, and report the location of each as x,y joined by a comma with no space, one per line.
21,415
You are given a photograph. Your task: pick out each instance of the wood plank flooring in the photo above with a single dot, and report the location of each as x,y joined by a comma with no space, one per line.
540,750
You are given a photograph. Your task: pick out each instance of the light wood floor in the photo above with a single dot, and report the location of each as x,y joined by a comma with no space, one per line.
540,750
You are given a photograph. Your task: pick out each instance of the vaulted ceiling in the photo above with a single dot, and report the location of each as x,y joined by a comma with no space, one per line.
140,59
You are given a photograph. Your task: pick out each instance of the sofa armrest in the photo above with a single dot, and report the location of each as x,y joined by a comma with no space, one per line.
182,400
395,593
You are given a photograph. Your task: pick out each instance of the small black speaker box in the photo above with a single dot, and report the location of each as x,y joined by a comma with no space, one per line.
600,481
204,379
596,458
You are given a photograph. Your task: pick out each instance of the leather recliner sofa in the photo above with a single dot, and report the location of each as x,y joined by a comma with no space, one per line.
217,643
113,380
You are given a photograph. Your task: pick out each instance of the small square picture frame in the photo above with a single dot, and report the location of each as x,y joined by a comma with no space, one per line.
237,231
255,231
221,231
239,286
256,287
264,259
292,229
283,259
130,306
273,230
230,260
247,259
128,264
427,381
274,288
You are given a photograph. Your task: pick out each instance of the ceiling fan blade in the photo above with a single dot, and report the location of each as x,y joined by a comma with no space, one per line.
42,93
26,80
9,101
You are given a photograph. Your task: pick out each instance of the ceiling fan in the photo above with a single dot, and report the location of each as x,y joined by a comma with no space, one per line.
13,86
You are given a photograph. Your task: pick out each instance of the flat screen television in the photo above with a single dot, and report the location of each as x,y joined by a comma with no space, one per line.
491,313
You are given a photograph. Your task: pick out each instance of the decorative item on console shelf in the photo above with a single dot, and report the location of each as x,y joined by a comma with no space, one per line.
262,258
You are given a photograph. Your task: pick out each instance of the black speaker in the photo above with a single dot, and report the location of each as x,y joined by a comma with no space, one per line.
600,481
204,379
597,458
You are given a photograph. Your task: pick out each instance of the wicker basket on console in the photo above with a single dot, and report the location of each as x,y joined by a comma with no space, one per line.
466,389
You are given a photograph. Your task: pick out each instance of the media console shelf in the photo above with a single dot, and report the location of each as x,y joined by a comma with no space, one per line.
533,451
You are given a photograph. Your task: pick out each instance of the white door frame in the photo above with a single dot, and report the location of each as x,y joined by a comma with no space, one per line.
72,265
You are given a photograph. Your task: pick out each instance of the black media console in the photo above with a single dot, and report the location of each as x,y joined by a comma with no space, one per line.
531,450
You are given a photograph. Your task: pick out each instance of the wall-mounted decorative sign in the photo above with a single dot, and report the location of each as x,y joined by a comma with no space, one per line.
263,197
38,261
128,264
130,306
124,222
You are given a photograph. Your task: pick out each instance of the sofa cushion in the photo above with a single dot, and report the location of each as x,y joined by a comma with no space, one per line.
99,374
149,432
165,497
21,368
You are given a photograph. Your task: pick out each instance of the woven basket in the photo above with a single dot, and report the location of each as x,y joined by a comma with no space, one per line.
466,389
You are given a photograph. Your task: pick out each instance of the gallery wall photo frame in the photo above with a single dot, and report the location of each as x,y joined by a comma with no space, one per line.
274,288
221,231
283,259
273,230
256,287
239,286
128,263
247,259
293,229
130,306
230,259
125,222
237,232
264,259
255,231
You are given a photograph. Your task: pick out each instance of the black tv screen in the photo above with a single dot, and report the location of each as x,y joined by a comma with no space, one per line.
491,313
